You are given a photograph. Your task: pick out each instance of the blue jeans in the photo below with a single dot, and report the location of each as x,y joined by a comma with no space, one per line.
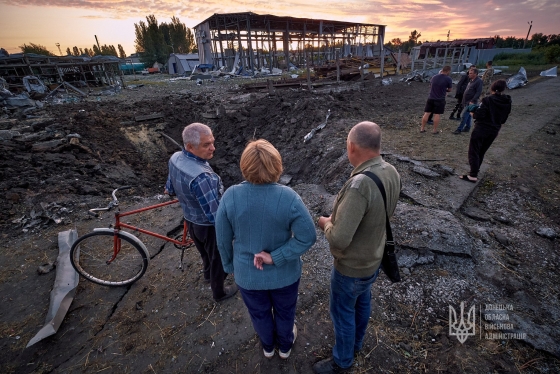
272,313
465,124
350,306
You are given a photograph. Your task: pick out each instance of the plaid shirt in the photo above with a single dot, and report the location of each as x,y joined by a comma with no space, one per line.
206,187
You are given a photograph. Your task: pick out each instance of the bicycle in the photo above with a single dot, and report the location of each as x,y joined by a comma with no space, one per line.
113,257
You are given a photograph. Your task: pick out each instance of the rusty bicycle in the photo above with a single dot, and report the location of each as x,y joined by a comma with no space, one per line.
114,257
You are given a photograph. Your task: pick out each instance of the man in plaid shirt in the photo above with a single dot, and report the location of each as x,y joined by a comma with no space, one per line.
199,191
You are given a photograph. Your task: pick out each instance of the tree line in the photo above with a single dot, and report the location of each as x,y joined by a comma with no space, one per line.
154,42
538,40
406,46
103,50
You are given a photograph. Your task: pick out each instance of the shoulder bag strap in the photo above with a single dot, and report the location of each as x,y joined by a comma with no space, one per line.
379,184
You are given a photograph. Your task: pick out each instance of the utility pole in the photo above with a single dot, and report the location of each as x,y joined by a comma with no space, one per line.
97,41
59,51
528,32
448,32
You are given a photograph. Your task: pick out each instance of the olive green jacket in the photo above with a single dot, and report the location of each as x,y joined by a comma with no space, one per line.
356,232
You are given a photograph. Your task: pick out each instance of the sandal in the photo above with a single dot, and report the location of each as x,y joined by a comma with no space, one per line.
422,130
466,178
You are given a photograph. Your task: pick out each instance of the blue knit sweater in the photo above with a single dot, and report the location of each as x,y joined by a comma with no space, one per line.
269,217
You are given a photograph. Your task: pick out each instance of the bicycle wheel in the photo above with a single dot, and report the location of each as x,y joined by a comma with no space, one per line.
90,255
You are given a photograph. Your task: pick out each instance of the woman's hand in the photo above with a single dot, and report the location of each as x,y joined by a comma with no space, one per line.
262,258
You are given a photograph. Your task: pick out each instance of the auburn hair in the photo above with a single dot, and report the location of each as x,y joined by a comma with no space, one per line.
261,163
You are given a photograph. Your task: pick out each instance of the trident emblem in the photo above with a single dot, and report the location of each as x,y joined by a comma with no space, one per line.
462,329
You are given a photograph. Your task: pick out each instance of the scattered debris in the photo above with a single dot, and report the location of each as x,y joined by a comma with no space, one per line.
517,80
552,72
64,287
46,268
148,117
420,75
546,232
425,172
42,216
35,87
477,214
308,137
387,81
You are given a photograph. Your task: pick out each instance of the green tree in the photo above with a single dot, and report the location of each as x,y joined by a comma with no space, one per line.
397,42
413,38
36,48
538,40
122,54
109,50
155,42
552,53
181,37
68,52
553,39
150,42
76,51
96,50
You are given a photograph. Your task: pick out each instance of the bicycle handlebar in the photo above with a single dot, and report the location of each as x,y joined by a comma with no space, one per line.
111,205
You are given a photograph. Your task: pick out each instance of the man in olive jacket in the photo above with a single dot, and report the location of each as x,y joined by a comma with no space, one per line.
356,235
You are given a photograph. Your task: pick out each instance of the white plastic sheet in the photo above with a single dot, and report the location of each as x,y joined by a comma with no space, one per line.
552,72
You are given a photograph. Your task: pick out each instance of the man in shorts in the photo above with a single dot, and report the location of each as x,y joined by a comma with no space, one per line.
440,85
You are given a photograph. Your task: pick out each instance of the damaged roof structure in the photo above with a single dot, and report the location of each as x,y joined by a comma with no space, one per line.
237,41
54,70
457,53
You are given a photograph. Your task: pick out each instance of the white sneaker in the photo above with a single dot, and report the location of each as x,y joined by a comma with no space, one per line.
268,354
285,355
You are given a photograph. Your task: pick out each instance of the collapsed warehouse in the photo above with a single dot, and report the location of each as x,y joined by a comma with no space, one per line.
248,42
235,43
38,74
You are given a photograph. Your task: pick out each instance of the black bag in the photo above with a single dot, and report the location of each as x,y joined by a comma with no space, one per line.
389,263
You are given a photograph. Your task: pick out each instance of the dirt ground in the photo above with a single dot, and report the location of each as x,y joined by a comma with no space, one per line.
493,244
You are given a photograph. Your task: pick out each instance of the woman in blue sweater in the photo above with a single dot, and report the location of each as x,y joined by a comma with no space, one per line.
262,230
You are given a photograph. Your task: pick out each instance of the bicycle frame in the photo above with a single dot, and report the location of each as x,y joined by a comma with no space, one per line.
120,225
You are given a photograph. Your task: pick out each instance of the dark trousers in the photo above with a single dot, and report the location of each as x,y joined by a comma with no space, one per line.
272,313
458,108
481,140
204,238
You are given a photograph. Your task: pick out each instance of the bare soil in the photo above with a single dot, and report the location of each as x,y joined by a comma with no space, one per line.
481,243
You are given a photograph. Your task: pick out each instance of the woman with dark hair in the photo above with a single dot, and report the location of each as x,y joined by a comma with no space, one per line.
488,118
262,229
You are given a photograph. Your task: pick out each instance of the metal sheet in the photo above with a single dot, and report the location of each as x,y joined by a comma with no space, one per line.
64,288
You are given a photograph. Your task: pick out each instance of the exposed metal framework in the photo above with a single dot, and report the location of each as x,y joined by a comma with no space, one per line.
95,71
252,41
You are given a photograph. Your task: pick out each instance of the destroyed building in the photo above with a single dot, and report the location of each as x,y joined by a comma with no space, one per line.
238,42
53,71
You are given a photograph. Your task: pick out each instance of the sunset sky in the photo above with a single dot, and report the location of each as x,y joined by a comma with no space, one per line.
76,22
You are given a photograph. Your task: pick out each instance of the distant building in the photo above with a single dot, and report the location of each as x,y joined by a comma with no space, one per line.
457,53
429,48
182,63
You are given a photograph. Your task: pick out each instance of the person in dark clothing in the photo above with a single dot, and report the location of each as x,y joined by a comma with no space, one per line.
470,96
488,119
461,87
440,84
